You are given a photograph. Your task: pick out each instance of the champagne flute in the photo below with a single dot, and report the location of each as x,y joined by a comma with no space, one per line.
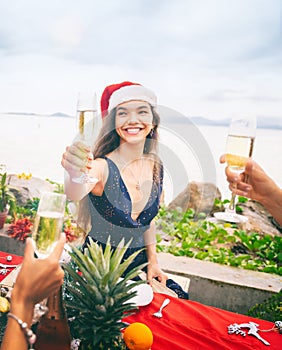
48,223
239,147
87,123
53,326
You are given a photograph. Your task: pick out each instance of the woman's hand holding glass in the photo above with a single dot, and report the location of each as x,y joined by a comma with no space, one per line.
77,158
88,125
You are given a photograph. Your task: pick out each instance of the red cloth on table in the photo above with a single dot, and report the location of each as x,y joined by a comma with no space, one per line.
190,325
16,260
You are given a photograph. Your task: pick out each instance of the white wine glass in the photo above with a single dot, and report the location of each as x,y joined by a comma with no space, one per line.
48,223
239,148
87,124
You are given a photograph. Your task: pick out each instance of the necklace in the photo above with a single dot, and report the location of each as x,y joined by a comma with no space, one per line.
138,181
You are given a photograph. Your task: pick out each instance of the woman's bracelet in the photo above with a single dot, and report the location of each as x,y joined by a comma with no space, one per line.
30,336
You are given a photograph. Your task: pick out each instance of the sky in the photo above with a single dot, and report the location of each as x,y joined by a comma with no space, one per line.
210,58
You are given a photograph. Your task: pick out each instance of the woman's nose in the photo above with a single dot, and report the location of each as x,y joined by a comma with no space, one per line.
133,117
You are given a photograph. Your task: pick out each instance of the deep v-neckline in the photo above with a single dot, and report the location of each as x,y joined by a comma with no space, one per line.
128,194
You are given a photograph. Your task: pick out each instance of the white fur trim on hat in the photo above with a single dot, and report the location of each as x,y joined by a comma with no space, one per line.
130,93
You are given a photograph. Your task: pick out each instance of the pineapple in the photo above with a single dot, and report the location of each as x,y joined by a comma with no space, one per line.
98,298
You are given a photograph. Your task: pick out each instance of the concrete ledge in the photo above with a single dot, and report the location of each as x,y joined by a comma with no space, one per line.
10,245
221,286
183,281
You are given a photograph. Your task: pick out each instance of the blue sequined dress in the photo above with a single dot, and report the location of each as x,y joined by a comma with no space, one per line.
111,214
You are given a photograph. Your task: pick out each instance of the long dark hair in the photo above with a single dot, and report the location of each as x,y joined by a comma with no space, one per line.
108,139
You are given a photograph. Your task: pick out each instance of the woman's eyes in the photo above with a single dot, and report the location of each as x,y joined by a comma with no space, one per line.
125,114
121,114
143,112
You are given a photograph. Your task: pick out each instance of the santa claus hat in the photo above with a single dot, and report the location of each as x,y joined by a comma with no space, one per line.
115,94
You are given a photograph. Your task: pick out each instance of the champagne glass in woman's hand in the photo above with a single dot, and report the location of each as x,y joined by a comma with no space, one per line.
239,148
48,223
87,124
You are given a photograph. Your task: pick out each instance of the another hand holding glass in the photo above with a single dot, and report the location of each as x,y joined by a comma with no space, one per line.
48,223
239,147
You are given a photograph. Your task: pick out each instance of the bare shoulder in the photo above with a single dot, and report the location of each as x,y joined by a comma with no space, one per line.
100,162
153,157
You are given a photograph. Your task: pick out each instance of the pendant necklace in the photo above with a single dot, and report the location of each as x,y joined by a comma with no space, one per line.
138,181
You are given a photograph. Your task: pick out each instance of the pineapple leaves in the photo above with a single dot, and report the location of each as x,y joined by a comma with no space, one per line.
97,297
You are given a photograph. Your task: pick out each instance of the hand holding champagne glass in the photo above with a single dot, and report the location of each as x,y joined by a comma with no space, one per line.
48,223
239,147
87,125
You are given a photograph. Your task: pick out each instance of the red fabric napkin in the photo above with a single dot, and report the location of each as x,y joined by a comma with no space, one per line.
16,260
193,326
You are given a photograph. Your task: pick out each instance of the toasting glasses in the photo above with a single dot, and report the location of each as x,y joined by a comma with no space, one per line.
88,124
239,147
48,223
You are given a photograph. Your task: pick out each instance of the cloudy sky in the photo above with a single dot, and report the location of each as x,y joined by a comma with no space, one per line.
207,58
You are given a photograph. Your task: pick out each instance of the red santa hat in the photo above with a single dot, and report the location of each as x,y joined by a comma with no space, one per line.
115,94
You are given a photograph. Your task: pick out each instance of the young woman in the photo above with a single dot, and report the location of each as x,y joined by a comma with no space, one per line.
126,197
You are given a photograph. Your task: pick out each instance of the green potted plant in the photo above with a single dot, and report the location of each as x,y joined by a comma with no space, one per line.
7,200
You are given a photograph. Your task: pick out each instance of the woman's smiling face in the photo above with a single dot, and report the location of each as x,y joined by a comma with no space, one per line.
133,121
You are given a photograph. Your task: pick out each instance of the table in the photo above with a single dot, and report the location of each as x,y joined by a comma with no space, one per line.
187,324
6,278
190,325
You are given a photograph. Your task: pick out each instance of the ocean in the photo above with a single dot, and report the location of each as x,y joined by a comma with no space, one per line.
35,144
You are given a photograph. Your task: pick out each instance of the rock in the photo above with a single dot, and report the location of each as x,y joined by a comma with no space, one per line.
25,189
199,196
259,219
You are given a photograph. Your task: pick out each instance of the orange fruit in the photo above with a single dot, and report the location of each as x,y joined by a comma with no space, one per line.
138,336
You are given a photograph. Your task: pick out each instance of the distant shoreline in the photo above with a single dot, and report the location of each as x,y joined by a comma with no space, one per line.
262,122
27,114
34,144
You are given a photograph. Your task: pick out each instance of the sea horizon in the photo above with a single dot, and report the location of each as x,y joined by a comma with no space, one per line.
35,143
263,122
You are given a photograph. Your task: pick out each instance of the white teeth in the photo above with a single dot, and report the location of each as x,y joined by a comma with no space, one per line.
133,131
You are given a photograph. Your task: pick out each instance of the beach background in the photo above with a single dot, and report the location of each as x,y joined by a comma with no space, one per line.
208,59
31,143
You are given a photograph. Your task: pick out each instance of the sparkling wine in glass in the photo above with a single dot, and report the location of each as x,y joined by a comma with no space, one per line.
48,223
239,148
88,126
